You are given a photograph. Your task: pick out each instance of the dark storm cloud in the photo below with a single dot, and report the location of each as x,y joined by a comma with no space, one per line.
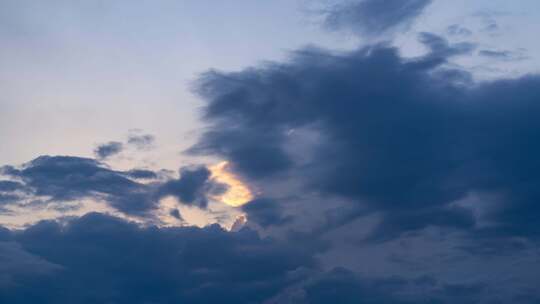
192,187
343,286
407,220
265,212
68,178
5,234
101,259
374,17
10,186
404,136
18,265
109,149
241,147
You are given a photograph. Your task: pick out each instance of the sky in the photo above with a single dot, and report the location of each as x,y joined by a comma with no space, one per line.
307,151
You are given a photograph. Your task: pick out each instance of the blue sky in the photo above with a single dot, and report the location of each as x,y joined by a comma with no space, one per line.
308,151
65,62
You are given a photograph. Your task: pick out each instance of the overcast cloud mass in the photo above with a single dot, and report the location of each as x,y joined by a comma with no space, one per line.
399,164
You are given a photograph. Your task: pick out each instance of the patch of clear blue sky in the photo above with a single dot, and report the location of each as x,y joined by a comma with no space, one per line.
77,73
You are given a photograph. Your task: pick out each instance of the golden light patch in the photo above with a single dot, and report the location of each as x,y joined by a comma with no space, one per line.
239,222
237,193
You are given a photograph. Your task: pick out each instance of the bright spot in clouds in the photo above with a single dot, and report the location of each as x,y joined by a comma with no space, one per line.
237,193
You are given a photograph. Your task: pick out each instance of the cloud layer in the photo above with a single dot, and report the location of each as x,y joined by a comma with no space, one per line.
407,138
102,259
360,177
68,178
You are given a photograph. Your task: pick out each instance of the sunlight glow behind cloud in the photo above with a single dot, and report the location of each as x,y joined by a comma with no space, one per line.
237,193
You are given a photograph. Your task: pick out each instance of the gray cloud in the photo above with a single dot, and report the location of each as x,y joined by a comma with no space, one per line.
102,259
371,18
192,187
265,212
405,138
109,149
141,142
68,178
458,30
502,55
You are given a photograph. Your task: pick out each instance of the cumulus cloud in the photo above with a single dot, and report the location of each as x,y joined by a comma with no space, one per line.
103,259
382,153
52,262
405,137
69,178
